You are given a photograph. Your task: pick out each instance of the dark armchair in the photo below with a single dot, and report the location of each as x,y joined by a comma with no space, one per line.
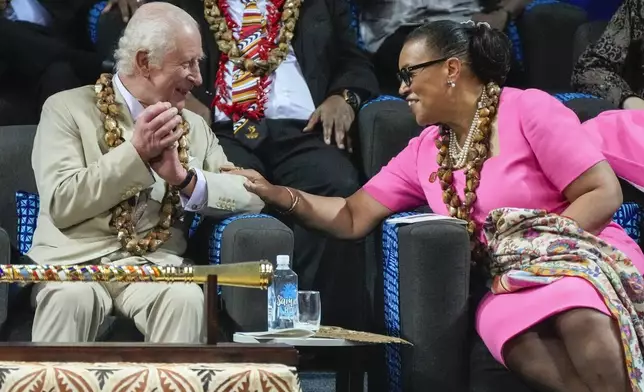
418,274
238,238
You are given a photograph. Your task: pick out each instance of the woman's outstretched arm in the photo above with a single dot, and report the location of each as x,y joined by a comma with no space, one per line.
350,218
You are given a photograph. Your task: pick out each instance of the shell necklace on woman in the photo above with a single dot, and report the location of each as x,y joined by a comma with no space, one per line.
470,157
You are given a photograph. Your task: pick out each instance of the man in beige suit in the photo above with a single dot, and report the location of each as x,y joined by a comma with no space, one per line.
116,165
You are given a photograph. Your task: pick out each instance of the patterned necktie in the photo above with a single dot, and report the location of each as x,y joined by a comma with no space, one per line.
244,88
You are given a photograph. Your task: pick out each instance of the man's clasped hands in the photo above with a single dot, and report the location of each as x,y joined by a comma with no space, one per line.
156,139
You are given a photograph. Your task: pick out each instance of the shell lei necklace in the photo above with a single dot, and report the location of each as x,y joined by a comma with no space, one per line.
281,18
471,157
271,55
122,214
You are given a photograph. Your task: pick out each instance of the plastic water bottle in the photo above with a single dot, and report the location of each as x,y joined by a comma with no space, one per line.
282,296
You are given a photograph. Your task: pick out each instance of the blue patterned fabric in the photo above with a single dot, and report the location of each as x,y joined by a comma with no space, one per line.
194,225
630,216
27,208
517,49
392,301
92,19
565,97
381,98
355,22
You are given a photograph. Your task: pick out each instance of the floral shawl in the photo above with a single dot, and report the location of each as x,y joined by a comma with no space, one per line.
531,247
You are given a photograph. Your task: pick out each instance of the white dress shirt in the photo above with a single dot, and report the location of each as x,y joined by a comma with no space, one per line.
29,11
199,197
288,94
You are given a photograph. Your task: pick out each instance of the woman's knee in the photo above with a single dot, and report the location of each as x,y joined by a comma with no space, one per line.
590,334
593,341
519,353
581,322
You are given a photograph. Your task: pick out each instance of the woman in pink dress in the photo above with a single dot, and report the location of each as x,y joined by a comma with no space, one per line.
498,148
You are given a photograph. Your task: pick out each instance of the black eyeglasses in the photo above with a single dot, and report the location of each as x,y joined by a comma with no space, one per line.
405,74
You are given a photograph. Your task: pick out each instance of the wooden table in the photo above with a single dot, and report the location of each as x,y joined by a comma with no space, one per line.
147,352
212,352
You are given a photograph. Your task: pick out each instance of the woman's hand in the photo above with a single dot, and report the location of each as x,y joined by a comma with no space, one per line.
496,19
276,196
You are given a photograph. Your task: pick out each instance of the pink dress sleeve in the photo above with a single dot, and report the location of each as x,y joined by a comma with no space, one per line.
562,148
396,186
620,135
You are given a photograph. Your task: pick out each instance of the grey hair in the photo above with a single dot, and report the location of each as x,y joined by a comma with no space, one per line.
152,29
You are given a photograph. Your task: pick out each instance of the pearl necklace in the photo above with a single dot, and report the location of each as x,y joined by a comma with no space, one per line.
458,154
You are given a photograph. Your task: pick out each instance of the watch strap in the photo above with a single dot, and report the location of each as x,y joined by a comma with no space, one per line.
352,99
186,181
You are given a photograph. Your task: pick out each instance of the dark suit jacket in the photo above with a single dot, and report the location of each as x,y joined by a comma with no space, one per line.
325,46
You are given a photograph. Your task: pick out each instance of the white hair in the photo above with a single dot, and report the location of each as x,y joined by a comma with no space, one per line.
152,29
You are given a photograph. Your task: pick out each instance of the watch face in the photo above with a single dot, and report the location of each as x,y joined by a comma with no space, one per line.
351,99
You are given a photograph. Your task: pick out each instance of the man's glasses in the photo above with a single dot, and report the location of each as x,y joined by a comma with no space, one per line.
405,74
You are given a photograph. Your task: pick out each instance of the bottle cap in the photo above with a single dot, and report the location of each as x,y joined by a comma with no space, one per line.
283,260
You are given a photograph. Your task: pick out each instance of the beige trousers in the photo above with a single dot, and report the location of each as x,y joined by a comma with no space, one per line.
163,312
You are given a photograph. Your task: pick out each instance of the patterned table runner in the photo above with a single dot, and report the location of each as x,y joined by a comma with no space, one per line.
144,377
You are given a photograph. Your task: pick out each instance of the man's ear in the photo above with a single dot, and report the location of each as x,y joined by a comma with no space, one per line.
142,61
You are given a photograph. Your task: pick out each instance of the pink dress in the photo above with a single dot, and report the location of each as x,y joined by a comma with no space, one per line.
543,148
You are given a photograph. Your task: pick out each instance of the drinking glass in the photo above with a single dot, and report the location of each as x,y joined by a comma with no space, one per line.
309,310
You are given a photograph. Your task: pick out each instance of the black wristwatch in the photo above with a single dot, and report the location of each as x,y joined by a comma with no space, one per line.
352,99
186,181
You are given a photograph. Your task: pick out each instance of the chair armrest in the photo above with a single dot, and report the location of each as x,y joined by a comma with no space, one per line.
385,127
585,106
5,258
248,237
426,285
544,48
5,247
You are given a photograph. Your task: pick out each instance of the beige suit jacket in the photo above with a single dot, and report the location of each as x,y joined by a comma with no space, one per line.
79,180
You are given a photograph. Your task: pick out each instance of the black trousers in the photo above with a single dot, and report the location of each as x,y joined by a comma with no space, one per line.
303,161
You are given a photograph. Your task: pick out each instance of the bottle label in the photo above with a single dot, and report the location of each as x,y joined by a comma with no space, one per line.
287,301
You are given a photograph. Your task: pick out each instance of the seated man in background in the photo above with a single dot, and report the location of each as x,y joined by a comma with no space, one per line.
286,110
115,168
41,52
384,25
611,68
